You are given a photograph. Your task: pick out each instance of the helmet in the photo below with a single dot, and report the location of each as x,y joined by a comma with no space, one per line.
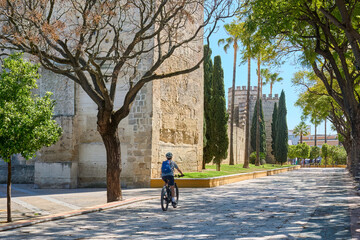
169,155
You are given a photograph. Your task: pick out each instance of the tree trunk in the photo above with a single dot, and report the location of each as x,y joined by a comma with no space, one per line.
355,159
247,122
271,86
231,161
203,164
315,143
325,131
355,149
8,197
257,161
113,168
109,133
348,148
300,137
217,165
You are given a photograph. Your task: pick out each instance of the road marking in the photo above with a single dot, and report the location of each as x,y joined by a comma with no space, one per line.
50,199
26,205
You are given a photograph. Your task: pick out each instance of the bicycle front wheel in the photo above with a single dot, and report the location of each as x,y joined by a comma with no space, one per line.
164,199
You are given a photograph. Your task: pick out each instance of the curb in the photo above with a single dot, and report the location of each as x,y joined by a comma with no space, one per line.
48,218
221,180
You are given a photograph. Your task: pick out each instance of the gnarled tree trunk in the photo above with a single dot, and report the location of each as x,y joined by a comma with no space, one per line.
355,149
108,129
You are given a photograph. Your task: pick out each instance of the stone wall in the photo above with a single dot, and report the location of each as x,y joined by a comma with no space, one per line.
22,171
57,166
268,108
178,105
167,115
268,102
238,145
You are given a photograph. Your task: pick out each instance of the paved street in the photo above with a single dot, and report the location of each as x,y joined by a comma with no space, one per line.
302,204
28,203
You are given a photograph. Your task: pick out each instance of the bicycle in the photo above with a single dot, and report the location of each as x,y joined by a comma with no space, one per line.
166,195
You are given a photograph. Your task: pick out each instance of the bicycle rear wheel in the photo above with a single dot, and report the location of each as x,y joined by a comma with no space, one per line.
176,193
164,199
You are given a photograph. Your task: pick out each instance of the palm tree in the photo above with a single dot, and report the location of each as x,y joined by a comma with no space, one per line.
246,37
254,47
271,78
301,130
265,75
232,30
257,161
247,121
316,120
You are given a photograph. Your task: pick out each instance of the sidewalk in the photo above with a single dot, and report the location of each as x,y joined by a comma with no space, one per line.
31,206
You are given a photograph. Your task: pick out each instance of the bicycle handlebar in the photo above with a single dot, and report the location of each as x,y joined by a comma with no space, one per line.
179,175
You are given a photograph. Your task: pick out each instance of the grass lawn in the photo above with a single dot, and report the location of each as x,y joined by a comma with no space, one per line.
226,169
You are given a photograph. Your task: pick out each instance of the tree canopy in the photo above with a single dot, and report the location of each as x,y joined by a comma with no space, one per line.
301,130
326,34
303,151
208,71
26,123
219,120
262,129
273,129
282,131
314,152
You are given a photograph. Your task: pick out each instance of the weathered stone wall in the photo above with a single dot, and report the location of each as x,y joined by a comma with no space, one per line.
56,166
268,108
137,141
167,115
179,108
238,145
22,171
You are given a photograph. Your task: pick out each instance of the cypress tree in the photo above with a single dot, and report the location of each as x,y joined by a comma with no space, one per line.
208,69
219,140
262,130
273,129
281,144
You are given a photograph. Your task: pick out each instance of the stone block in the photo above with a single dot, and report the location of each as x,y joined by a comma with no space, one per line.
56,175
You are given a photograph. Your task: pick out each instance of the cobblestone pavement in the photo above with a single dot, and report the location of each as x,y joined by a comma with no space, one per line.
29,203
303,204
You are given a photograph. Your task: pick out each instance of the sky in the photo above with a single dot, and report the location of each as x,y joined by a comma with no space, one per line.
286,71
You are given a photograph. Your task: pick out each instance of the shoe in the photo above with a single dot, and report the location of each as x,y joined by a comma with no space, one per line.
174,204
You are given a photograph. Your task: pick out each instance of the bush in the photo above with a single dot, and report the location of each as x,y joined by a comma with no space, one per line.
337,155
253,158
262,161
